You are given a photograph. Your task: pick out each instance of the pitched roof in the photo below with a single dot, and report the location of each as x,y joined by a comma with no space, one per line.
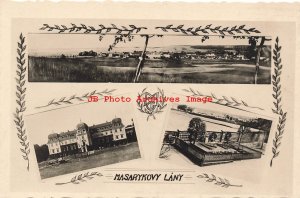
103,125
94,128
67,135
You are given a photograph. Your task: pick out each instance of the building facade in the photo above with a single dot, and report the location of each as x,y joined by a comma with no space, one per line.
87,138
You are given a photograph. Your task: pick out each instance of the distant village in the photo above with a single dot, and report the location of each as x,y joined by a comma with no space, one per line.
234,119
158,55
206,54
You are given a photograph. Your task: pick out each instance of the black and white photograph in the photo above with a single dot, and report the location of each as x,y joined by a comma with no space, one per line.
168,54
153,99
83,137
212,136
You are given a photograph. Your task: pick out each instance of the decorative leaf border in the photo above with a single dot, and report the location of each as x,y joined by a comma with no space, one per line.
222,182
277,103
20,93
81,178
206,29
224,100
91,29
69,100
151,113
122,30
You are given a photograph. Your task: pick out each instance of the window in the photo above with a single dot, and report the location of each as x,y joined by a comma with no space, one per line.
120,129
115,130
121,135
117,137
53,151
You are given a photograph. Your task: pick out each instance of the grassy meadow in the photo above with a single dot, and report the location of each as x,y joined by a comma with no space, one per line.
105,157
96,69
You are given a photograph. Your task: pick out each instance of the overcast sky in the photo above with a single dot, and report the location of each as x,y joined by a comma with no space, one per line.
64,43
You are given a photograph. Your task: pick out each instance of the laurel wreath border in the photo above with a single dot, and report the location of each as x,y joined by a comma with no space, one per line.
68,100
20,94
208,28
277,103
222,182
152,113
21,89
123,30
224,100
81,178
91,29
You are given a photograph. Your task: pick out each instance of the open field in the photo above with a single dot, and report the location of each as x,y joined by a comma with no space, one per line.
105,157
43,69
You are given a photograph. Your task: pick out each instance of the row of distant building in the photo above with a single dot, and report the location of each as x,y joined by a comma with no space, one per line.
154,55
222,116
86,138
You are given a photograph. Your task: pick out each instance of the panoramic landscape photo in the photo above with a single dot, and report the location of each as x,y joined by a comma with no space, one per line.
161,59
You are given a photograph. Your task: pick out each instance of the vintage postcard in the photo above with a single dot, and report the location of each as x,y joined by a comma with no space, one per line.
191,100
